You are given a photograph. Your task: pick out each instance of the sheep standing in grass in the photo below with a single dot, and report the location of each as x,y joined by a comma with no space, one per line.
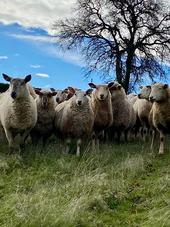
142,108
160,96
124,117
46,113
18,113
102,107
74,118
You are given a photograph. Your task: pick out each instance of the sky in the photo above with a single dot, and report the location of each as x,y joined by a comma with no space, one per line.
26,45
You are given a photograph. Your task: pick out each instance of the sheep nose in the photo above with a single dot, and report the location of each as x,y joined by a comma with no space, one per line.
102,96
139,96
79,103
13,95
151,98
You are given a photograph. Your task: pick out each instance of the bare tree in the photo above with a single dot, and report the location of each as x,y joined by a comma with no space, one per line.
130,37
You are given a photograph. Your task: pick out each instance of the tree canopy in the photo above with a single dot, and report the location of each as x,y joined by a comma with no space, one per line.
130,38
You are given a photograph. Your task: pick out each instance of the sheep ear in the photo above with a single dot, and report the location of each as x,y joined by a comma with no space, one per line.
37,91
71,90
148,86
54,93
6,77
92,85
27,78
89,91
65,91
165,86
141,87
52,89
110,85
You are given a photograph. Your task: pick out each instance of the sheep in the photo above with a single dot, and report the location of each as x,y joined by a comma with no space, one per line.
18,113
124,117
132,97
102,107
61,95
74,118
160,96
142,108
46,113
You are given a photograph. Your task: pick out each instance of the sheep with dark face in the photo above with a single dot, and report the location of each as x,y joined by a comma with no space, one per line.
102,107
74,118
18,113
160,96
46,113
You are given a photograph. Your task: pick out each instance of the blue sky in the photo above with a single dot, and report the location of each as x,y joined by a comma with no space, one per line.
32,51
27,47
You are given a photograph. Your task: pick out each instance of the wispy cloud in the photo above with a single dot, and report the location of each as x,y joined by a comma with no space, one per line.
35,38
3,57
43,75
17,55
35,66
48,44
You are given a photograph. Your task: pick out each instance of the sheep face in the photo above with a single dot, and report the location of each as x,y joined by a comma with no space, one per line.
144,92
17,86
61,96
117,91
159,92
102,91
80,98
45,97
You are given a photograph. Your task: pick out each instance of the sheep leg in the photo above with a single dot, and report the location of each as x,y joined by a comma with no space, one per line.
78,147
152,139
12,145
162,143
68,141
93,142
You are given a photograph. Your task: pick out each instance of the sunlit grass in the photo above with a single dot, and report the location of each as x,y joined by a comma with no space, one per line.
122,185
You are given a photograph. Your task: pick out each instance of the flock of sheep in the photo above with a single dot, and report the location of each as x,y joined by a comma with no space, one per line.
102,112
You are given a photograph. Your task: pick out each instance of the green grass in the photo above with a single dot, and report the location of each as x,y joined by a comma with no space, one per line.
122,185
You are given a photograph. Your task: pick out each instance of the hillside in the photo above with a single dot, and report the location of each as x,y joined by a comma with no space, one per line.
122,185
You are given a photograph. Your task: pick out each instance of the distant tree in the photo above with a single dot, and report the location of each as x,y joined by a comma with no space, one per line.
131,37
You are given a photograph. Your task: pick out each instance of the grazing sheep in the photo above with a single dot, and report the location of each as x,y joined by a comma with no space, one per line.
160,96
124,117
102,107
46,113
18,113
74,118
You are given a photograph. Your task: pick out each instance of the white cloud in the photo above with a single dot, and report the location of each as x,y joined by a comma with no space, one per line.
35,66
34,38
46,44
3,57
43,75
17,55
34,14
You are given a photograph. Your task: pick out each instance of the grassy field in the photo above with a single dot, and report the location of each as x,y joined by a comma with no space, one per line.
122,185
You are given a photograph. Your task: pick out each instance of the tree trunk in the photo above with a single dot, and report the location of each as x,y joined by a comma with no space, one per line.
128,72
118,69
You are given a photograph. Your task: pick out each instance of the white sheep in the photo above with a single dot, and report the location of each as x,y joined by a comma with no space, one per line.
18,113
160,96
75,118
46,112
124,117
102,107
